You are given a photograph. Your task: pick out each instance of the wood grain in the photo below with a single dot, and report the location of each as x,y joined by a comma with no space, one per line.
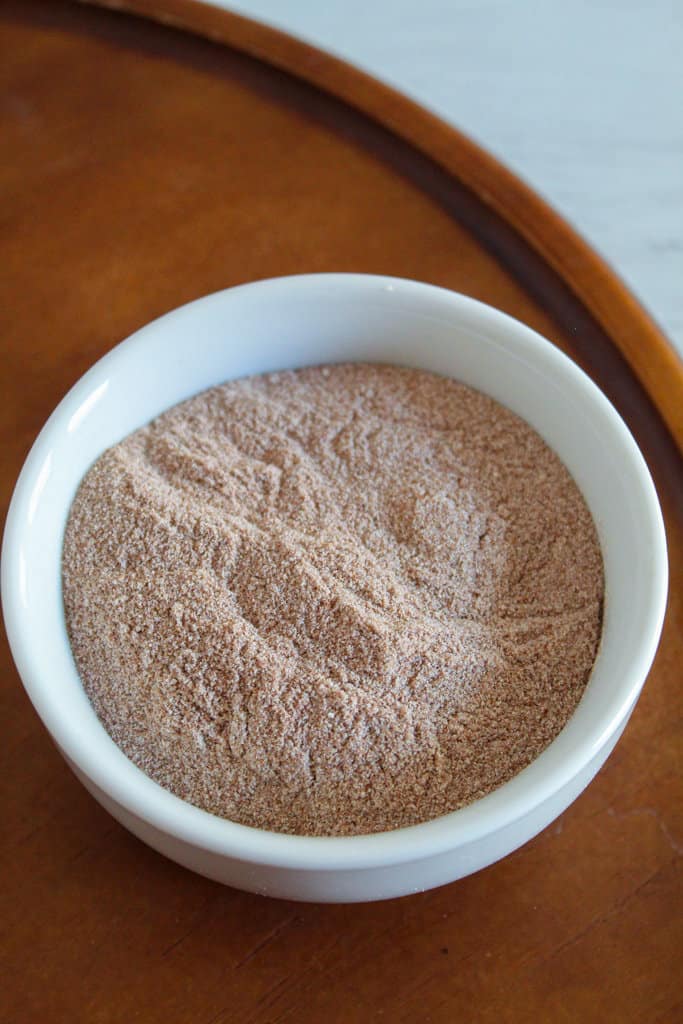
146,168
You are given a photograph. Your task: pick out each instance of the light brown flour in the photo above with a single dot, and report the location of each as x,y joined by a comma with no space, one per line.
333,601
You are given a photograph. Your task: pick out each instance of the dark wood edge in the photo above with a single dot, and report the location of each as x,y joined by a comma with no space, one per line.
590,279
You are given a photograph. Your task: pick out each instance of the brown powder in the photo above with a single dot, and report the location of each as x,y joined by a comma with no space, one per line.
333,601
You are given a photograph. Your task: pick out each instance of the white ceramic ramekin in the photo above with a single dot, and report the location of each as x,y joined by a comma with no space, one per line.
290,322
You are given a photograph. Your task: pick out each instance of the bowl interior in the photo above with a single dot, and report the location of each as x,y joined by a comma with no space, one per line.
292,322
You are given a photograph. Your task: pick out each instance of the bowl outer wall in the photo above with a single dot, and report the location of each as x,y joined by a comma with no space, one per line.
364,884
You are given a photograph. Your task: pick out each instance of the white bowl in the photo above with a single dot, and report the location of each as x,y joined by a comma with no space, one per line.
290,322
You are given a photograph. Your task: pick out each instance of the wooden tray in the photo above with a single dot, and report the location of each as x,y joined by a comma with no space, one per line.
147,167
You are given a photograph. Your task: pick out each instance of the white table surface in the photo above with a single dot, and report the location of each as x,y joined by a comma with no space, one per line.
582,98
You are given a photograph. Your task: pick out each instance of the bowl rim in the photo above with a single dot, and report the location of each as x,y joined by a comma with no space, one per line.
98,758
